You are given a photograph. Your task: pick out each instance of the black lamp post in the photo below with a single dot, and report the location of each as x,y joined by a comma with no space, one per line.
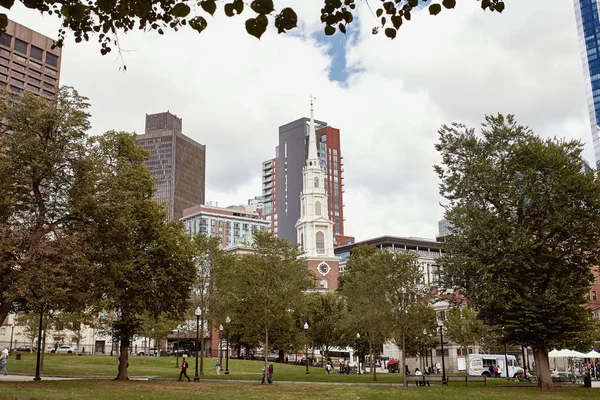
39,346
221,346
227,321
198,312
177,351
358,344
505,355
443,362
306,337
12,330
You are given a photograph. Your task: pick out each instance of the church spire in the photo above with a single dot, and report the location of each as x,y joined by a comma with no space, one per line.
313,158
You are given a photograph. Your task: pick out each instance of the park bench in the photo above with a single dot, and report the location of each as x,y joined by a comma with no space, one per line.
421,380
467,378
531,378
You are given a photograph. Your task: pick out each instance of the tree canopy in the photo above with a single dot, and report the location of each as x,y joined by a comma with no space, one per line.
106,18
526,217
265,289
43,254
380,288
146,264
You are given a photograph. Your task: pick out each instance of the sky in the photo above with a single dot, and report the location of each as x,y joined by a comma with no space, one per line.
387,97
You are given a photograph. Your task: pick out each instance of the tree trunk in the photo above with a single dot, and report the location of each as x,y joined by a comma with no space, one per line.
123,359
404,358
266,354
542,365
281,356
372,363
202,348
5,310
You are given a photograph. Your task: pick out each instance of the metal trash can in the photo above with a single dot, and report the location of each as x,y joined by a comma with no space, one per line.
18,356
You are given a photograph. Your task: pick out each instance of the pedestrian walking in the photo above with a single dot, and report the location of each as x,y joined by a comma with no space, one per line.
270,375
184,367
3,360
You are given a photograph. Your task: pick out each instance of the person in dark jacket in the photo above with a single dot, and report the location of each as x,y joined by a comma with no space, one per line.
184,367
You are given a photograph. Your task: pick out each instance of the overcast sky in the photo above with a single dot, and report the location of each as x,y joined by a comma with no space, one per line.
388,98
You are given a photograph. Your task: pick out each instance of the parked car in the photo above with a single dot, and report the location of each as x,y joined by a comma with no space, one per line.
24,349
65,349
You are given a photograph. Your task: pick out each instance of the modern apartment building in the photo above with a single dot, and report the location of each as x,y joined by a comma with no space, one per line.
588,29
28,62
282,178
231,224
176,161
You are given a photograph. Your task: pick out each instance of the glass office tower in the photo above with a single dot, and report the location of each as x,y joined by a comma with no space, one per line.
588,28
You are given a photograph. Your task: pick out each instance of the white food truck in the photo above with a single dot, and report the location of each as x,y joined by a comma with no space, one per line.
480,364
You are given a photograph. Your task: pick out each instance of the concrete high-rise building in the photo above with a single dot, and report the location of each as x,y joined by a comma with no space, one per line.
588,28
28,62
282,178
176,161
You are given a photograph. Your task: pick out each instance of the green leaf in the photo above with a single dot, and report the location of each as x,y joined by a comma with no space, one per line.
181,10
257,26
262,6
390,32
383,21
397,21
500,6
329,30
342,28
209,6
238,6
7,3
435,9
413,3
229,9
379,12
407,15
286,20
198,24
485,4
449,3
3,21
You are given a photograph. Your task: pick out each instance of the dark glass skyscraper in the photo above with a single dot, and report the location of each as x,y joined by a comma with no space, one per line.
588,28
176,162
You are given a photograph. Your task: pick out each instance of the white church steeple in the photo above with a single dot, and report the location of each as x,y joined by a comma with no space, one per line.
313,158
314,229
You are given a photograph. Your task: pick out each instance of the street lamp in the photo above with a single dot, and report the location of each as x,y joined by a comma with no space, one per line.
306,337
227,321
220,346
12,330
358,344
39,346
198,313
443,362
177,351
505,355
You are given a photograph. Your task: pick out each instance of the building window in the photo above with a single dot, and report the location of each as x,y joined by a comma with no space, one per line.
320,242
20,46
316,182
36,52
52,60
51,71
318,208
5,40
35,65
302,240
594,296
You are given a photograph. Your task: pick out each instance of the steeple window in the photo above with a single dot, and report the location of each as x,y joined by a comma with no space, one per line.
317,208
316,182
320,242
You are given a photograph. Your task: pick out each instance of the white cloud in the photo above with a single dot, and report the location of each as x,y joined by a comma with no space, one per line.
233,92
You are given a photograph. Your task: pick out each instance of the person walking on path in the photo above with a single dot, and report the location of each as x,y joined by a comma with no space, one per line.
270,375
184,367
3,360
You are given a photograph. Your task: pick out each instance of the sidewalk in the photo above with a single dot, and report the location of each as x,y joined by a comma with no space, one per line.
27,378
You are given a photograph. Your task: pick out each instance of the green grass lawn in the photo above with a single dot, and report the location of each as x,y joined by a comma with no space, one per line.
106,389
164,367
